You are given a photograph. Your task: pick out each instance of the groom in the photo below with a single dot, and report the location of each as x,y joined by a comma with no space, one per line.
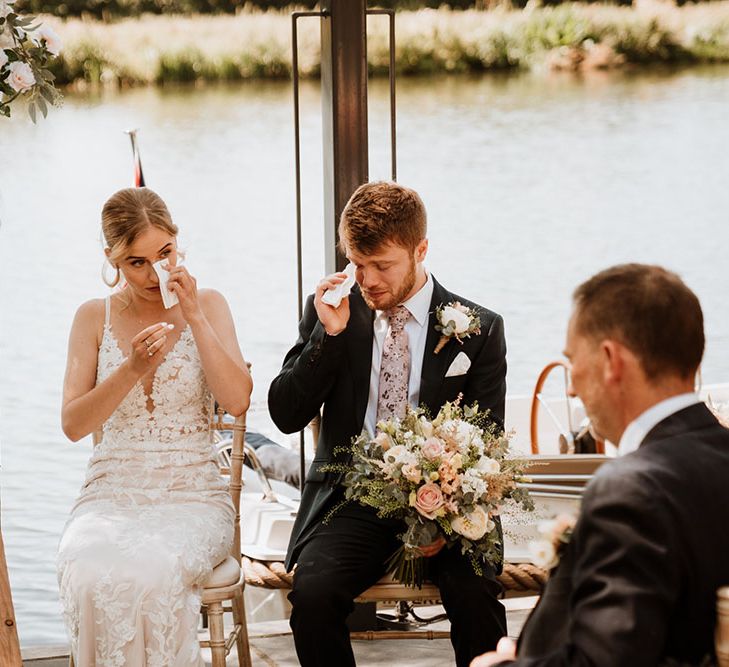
361,362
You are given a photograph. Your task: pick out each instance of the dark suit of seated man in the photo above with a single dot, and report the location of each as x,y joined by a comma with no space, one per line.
636,586
336,364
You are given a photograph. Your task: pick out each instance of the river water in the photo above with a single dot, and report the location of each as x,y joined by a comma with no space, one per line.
532,183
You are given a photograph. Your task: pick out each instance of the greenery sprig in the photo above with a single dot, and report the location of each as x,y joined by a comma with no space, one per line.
27,47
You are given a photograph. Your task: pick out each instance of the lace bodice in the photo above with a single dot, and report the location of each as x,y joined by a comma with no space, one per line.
181,398
162,455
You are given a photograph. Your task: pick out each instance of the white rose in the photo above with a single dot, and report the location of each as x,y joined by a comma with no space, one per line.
487,465
459,318
21,76
473,526
543,554
3,59
53,41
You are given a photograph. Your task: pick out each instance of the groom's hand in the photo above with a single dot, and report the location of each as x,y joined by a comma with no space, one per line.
433,548
334,320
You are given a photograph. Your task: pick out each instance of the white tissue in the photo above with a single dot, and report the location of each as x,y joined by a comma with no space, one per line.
334,297
169,299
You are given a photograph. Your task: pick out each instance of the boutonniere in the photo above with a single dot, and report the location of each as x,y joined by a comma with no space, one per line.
556,536
455,320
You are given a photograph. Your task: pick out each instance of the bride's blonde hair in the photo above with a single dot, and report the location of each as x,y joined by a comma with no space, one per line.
125,215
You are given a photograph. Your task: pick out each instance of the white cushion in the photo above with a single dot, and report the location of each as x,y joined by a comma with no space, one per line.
224,574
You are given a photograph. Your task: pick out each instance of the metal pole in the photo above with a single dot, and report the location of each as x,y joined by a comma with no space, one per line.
344,113
297,157
390,13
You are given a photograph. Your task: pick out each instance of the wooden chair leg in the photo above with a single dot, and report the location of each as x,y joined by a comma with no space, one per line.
217,634
71,663
242,645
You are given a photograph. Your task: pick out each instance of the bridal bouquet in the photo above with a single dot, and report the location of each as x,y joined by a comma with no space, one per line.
444,477
26,49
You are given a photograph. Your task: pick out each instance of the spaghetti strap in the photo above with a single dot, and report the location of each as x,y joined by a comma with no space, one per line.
107,314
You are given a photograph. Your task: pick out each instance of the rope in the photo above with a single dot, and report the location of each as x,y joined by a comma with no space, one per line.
272,574
523,577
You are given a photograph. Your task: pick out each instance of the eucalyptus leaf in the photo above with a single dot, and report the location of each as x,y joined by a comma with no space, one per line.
31,111
48,93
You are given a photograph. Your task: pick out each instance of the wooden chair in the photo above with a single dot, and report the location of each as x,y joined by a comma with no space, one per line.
227,581
389,590
9,647
722,627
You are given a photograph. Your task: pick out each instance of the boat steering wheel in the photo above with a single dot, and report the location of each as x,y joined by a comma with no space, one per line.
568,437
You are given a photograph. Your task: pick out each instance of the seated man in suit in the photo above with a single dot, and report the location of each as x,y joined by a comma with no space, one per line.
363,361
636,585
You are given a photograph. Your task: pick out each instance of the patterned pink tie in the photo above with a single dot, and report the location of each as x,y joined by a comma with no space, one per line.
394,367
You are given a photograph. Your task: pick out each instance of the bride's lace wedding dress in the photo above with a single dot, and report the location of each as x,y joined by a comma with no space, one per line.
152,520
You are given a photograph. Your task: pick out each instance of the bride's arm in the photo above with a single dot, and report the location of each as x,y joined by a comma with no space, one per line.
86,405
225,369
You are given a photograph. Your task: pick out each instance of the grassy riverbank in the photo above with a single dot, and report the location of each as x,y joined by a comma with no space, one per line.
160,49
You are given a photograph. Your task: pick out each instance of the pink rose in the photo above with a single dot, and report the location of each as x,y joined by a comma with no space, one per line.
428,500
432,448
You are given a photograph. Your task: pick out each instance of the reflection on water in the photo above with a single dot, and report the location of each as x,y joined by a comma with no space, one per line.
531,184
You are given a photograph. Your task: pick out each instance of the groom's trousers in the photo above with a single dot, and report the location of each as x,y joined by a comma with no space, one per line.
346,555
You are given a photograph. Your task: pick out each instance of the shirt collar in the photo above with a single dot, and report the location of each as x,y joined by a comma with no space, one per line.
418,304
639,428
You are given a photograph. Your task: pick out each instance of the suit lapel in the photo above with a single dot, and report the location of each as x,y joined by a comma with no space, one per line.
360,332
435,365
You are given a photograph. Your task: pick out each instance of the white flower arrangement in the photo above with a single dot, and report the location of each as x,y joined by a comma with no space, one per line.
26,49
445,478
454,320
556,533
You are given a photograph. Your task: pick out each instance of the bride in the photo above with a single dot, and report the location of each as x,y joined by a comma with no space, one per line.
154,516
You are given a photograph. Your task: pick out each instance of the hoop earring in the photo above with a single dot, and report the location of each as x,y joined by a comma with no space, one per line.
107,282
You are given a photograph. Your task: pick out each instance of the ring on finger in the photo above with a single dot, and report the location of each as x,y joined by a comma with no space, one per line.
147,343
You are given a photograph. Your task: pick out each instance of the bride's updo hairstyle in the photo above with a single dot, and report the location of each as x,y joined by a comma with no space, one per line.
125,215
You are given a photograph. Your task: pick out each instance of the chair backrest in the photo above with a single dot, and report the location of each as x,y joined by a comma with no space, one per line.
722,627
234,468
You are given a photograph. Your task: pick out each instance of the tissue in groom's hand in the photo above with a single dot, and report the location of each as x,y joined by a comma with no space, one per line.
333,297
169,299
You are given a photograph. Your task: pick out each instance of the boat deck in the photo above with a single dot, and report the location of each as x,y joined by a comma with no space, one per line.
272,645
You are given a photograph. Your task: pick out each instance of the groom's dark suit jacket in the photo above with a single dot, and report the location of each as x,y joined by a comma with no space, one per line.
334,372
637,584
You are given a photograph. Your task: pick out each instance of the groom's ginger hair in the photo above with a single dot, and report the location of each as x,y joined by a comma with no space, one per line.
649,310
382,212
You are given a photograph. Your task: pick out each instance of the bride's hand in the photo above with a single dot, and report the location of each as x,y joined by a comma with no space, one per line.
185,286
146,346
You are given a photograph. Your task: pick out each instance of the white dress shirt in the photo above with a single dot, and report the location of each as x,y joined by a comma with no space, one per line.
417,329
639,428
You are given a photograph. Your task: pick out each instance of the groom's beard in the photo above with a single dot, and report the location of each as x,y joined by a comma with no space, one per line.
395,298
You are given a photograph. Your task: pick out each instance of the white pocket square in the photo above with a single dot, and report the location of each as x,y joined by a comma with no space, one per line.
460,365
